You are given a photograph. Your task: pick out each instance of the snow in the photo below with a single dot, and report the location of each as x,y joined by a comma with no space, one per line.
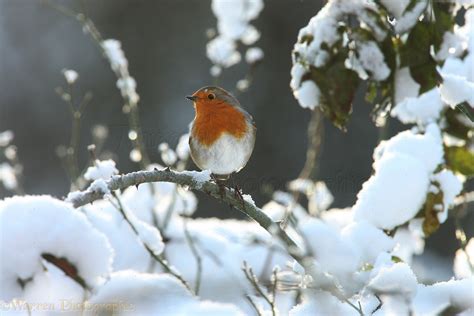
182,149
114,53
394,194
433,299
396,8
54,289
233,25
233,17
168,155
222,51
319,303
8,176
423,109
253,55
456,89
102,169
308,95
368,240
464,261
409,18
70,75
43,225
199,177
451,187
158,294
389,278
100,186
452,46
372,60
403,166
127,86
5,138
407,244
332,254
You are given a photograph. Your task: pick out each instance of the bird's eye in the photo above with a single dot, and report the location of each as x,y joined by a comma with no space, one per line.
211,96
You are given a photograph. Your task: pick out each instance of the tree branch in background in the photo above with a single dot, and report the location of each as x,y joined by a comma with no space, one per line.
315,136
130,107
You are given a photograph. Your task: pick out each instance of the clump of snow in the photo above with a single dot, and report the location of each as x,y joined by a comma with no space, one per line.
409,18
372,60
408,243
233,24
464,261
368,240
8,176
253,55
70,75
396,8
456,89
157,294
168,155
434,299
119,64
53,288
332,254
423,109
37,225
315,302
390,278
182,149
128,86
222,51
102,169
100,185
451,187
199,177
113,51
5,138
308,94
403,166
394,194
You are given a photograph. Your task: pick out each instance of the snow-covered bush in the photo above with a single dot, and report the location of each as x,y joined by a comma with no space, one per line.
129,245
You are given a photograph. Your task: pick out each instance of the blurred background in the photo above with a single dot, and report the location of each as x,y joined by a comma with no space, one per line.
165,44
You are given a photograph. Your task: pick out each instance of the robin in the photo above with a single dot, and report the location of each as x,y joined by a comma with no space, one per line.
222,134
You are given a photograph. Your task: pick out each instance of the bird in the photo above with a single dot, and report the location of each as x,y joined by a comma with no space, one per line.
222,134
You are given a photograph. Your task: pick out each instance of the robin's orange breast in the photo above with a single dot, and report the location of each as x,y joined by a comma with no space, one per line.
212,121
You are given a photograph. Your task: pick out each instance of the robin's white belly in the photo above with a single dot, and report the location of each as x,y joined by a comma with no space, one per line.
227,155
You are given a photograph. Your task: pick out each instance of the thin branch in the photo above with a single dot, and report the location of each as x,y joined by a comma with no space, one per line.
197,257
252,278
253,305
162,262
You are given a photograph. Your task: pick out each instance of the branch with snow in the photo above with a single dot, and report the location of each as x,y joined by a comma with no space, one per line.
200,181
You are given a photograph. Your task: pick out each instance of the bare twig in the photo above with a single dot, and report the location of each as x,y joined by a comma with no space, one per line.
130,104
169,269
252,278
197,257
253,305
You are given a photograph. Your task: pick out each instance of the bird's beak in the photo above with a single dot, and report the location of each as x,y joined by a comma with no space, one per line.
191,97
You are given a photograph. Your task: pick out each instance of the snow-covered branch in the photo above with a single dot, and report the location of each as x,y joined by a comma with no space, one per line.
194,180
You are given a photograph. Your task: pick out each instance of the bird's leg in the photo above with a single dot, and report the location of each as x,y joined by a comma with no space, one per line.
220,184
238,193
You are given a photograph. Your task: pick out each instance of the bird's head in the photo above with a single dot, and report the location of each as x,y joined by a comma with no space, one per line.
212,96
